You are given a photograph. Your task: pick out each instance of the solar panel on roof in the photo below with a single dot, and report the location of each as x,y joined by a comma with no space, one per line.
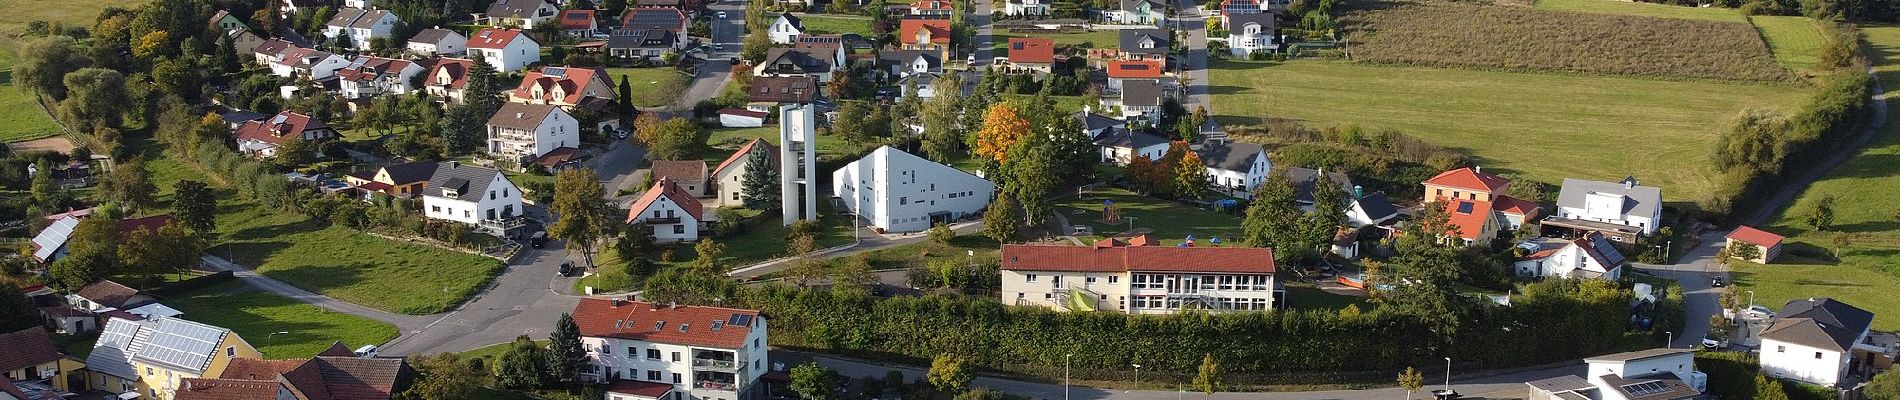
557,72
1646,388
279,119
742,319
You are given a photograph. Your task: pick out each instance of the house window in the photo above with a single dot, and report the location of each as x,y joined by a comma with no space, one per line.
653,376
676,356
1112,279
230,352
902,200
435,209
633,373
653,354
1029,277
632,351
1778,349
676,377
1817,355
1088,279
679,229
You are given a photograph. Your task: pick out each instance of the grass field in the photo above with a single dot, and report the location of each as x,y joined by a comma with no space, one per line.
1793,40
14,15
836,24
23,119
1170,221
1643,9
258,316
727,140
1529,123
1105,38
652,87
761,239
1868,269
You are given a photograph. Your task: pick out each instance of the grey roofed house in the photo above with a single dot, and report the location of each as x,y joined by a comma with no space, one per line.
521,116
1304,178
1152,4
783,89
902,58
1638,355
345,17
803,61
1141,93
1131,40
432,35
1376,205
793,19
171,342
1097,124
241,116
1129,139
469,182
1235,21
922,80
641,39
411,171
1819,322
1231,156
1637,200
514,8
369,18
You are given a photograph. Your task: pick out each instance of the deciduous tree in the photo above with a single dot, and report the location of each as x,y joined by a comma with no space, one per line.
43,65
444,376
1002,129
1190,177
16,311
131,186
812,382
1821,216
1003,219
583,216
1411,380
707,262
947,374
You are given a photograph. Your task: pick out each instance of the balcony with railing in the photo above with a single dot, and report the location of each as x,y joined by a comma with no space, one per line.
711,360
719,381
661,220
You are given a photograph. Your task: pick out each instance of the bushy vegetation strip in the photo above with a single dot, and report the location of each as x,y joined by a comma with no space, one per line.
1759,152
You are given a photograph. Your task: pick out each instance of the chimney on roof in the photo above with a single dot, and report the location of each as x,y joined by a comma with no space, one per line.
653,306
1358,192
614,302
454,164
520,115
1477,169
673,304
1629,182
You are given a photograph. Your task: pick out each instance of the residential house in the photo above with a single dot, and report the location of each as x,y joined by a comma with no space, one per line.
243,40
1026,7
151,358
649,32
1032,54
522,132
1230,8
1140,101
1472,183
1472,221
925,34
358,26
437,41
1370,209
795,62
1252,33
1821,341
690,175
1235,167
1121,71
1624,211
404,180
579,23
728,179
356,3
232,389
798,163
829,46
508,50
448,78
899,64
674,214
270,51
1139,276
106,295
261,138
932,9
1144,44
563,86
1654,374
335,373
1139,12
49,244
223,21
318,65
31,356
1767,244
671,351
923,84
773,91
785,29
1588,257
898,192
682,5
369,76
523,14
1119,145
1306,180
471,195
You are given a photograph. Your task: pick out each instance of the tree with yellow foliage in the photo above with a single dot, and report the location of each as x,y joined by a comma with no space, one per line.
1002,128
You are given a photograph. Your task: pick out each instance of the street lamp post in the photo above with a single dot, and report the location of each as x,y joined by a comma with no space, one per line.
1447,374
1751,298
1137,376
1672,340
1065,375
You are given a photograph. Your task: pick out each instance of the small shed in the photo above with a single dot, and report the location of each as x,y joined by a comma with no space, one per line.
1767,245
738,118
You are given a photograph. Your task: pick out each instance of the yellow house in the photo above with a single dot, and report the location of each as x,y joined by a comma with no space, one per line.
152,357
32,356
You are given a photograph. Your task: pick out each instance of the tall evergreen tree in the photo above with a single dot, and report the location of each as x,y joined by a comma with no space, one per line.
228,56
565,355
760,185
16,312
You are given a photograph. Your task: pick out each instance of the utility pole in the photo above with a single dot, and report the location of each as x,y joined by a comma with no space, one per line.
1447,374
1065,375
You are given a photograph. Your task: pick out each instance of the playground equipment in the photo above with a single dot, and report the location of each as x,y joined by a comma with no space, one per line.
1111,213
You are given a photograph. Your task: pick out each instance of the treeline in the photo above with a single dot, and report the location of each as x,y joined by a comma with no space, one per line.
1753,155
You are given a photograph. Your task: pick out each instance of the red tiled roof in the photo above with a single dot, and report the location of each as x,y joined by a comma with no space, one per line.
151,223
931,5
374,186
492,38
27,348
456,68
572,83
1470,225
740,155
226,389
557,157
378,65
1513,205
1469,178
1114,257
640,388
1032,50
939,30
269,131
577,19
247,368
680,170
635,320
1755,236
743,113
1135,69
672,192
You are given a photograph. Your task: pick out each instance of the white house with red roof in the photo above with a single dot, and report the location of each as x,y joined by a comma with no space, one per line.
672,212
1139,276
260,138
370,76
508,50
579,23
728,179
1588,257
1032,54
653,351
1121,71
1767,244
318,65
447,78
562,86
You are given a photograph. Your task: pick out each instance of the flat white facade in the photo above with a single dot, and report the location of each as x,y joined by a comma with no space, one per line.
500,199
1569,262
452,44
798,162
396,83
701,372
1026,7
1248,177
1622,203
380,24
670,222
1122,155
783,31
900,192
1681,364
1140,292
318,67
1825,367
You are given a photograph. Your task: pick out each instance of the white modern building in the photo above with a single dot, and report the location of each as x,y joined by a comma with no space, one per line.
470,195
318,65
508,50
652,351
524,14
360,25
1026,7
1820,341
798,162
674,214
1654,374
1139,276
1625,203
899,192
1588,257
521,132
1250,33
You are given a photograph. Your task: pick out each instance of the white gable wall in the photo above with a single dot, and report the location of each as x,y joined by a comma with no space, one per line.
502,199
686,230
1808,364
899,192
782,31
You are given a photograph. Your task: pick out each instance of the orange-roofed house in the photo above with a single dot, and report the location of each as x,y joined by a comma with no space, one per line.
507,50
261,138
1032,54
648,350
1473,221
1121,71
925,34
936,9
1767,244
672,212
562,86
1139,276
1473,184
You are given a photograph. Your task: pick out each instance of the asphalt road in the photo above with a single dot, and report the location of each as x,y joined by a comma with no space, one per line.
522,301
981,20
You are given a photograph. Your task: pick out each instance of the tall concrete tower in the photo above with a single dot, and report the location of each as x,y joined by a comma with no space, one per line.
798,162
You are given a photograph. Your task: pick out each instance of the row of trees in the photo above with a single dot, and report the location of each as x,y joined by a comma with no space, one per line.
1753,154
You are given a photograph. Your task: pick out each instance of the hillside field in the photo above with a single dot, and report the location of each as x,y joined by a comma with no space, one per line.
1643,9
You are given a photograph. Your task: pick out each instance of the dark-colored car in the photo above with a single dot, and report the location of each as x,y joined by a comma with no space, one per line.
567,268
538,239
1718,282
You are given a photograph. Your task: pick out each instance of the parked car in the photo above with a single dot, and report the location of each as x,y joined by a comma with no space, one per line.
567,268
1718,282
719,47
1758,312
1712,342
538,239
721,14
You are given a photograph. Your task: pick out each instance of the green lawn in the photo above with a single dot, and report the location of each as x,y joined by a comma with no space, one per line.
836,24
1868,268
14,15
23,120
1105,38
1643,9
258,317
763,238
1794,40
652,87
727,140
1303,296
1172,222
1529,123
